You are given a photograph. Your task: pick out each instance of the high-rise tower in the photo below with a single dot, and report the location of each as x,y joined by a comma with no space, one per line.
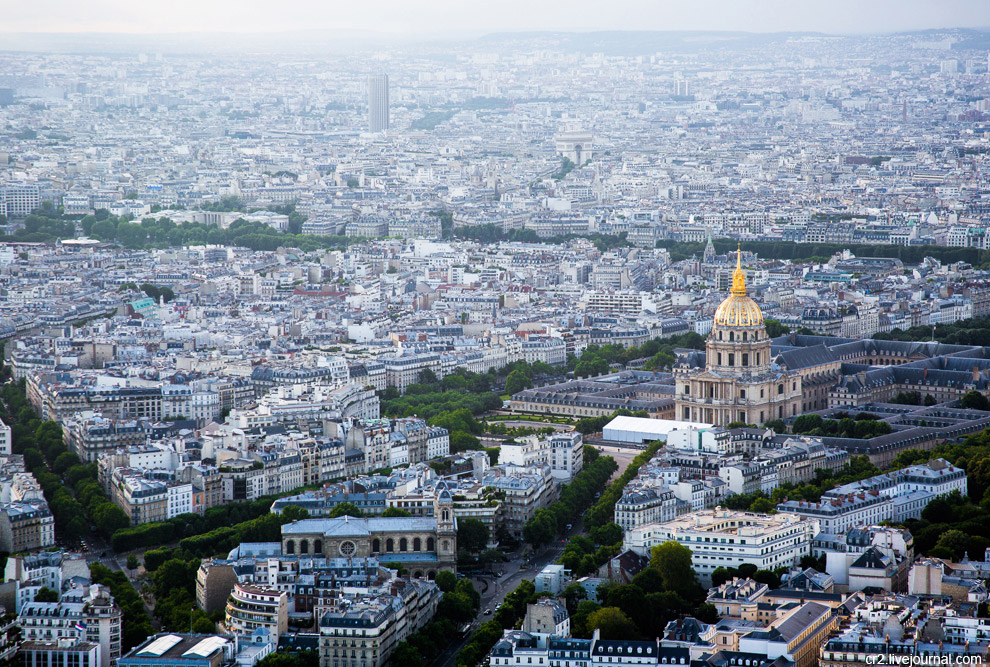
378,102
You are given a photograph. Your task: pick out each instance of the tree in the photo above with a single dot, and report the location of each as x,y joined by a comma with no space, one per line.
346,509
407,656
768,577
395,512
104,230
308,658
460,441
573,594
806,423
974,400
516,382
109,518
46,594
132,562
446,580
427,376
398,567
579,621
775,328
292,513
720,575
612,623
707,613
649,580
541,529
631,600
610,533
955,542
673,561
472,535
777,425
174,575
762,506
64,461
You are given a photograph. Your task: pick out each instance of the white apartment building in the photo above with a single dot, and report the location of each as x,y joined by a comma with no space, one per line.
21,198
551,351
691,491
527,451
837,515
566,455
437,443
894,496
93,617
563,452
400,372
179,500
643,505
5,441
727,538
623,303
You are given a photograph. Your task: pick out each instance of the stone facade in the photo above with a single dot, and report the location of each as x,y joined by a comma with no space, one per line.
424,545
740,382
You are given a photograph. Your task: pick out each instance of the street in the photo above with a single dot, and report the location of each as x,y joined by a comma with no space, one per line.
499,587
515,571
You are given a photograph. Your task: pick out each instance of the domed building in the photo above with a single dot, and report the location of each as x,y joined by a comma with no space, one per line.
740,381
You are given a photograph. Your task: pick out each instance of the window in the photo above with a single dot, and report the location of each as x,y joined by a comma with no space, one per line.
732,336
732,359
687,389
745,359
742,393
780,389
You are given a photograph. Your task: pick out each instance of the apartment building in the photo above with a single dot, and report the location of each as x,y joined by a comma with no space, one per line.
643,505
526,489
250,608
726,538
367,629
90,616
26,525
64,652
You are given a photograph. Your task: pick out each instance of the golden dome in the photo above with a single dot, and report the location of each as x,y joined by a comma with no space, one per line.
738,310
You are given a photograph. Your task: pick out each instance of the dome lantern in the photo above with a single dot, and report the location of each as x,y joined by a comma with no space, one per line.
738,310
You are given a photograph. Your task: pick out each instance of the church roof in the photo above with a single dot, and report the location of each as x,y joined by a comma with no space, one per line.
355,527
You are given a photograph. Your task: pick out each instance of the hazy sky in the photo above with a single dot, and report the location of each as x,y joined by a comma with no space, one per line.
450,17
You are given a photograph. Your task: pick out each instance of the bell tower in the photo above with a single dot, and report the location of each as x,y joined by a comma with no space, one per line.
443,511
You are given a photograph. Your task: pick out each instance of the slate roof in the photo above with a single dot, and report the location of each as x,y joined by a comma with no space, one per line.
354,527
